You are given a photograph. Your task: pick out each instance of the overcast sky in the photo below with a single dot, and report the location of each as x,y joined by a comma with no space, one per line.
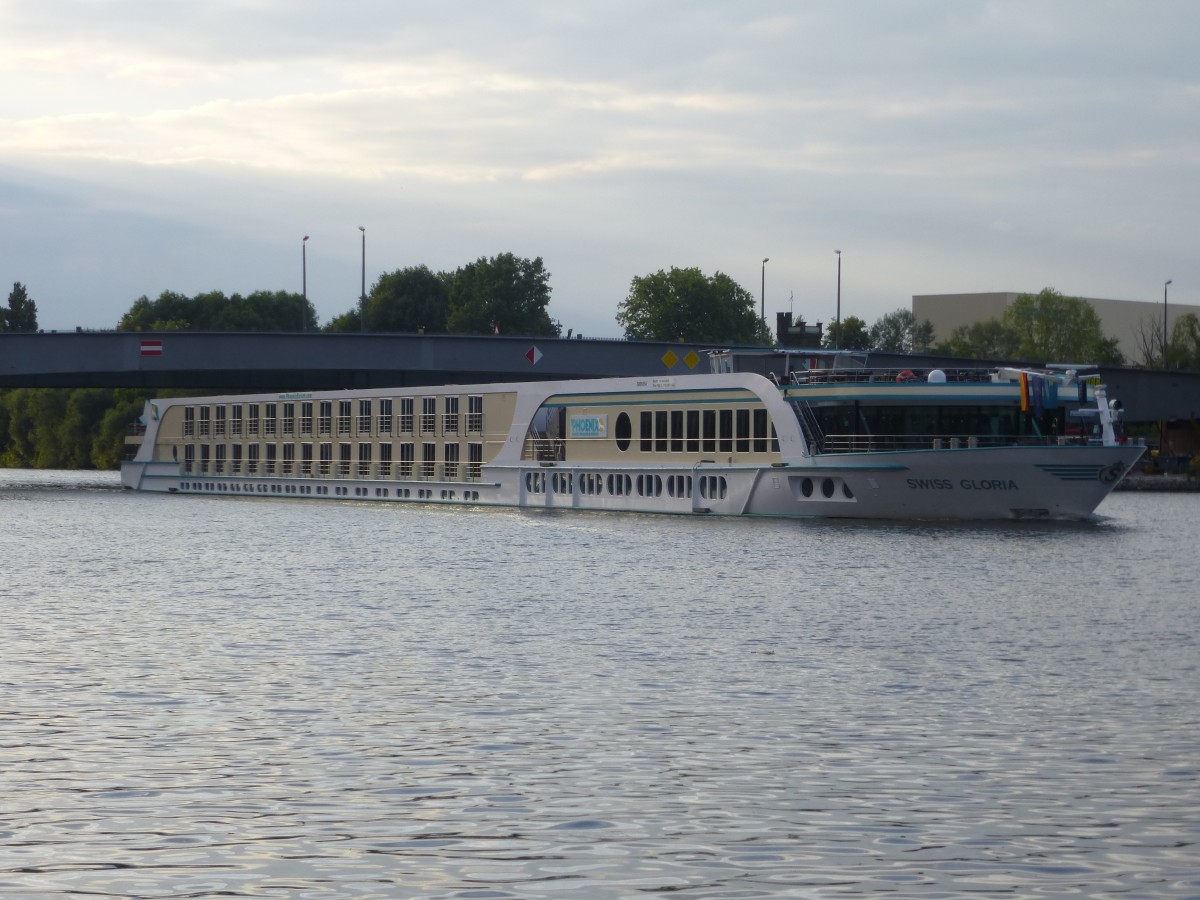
942,145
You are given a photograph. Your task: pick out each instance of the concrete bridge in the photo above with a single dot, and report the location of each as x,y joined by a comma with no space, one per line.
241,362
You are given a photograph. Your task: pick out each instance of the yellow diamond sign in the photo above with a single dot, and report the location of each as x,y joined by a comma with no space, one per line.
669,359
692,360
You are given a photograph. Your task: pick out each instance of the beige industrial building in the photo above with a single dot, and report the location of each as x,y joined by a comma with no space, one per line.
1124,320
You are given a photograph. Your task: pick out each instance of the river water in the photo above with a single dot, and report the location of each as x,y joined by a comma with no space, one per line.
220,697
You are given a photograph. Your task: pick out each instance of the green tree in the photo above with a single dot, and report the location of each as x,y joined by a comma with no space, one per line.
851,334
1055,328
409,299
213,311
989,339
21,314
1184,350
685,304
505,294
900,332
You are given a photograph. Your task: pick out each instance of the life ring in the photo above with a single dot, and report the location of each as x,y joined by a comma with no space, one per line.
906,375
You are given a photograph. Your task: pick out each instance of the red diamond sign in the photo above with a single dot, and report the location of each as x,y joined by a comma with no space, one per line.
534,355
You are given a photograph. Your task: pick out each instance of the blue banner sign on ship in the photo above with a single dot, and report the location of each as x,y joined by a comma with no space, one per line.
589,426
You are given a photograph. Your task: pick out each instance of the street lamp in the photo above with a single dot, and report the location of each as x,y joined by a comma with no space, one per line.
362,297
1165,283
762,293
838,329
304,282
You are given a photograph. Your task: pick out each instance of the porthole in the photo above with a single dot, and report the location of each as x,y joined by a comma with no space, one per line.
846,492
806,487
624,432
827,487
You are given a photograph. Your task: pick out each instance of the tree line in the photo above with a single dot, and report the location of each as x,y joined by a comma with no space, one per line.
506,294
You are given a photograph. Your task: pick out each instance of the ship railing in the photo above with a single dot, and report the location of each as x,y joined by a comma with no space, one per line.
888,375
881,443
415,470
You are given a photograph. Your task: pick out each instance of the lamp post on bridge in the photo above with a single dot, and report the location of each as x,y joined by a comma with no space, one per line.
838,327
362,297
1165,283
304,282
762,295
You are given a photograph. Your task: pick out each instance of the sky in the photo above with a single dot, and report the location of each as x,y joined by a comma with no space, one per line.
943,146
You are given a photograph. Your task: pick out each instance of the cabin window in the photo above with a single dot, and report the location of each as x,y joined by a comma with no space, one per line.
252,459
646,425
269,418
384,423
743,430
219,465
406,415
428,460
272,450
693,431
364,460
406,460
660,431
474,461
708,441
475,414
428,415
219,421
289,418
385,459
760,431
205,412
289,459
189,457
189,421
364,416
624,432
326,462
344,457
252,419
306,459
450,466
343,418
235,461
450,415
725,431
235,424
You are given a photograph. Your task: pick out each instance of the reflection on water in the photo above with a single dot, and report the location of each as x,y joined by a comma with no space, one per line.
211,697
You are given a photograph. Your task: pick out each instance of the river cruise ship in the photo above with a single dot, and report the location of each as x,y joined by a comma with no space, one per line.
814,436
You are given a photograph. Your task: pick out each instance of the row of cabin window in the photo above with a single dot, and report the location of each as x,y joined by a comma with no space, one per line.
364,416
706,431
712,487
369,461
